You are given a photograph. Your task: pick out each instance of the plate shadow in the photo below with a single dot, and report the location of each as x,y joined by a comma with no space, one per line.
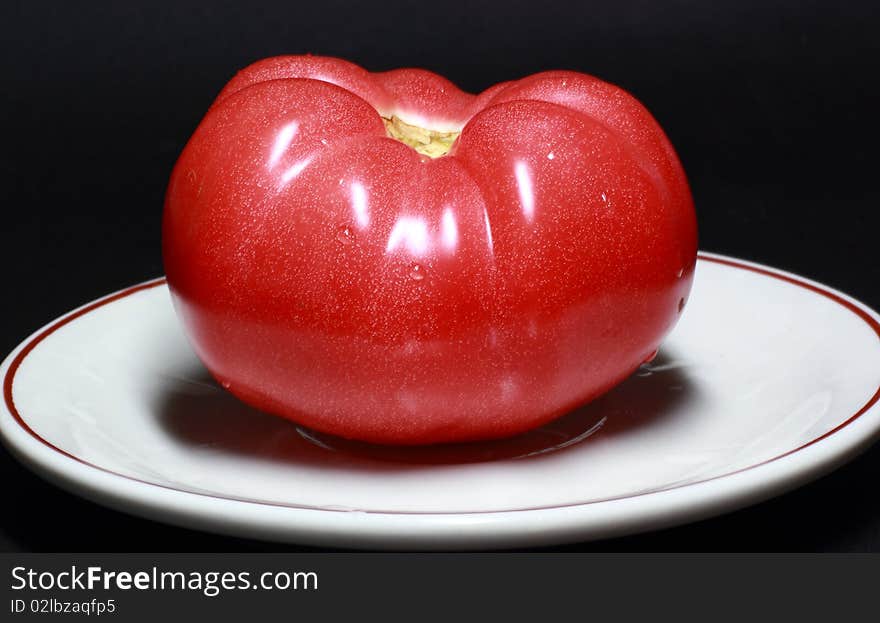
196,411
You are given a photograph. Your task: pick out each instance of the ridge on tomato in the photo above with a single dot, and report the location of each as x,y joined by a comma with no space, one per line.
384,257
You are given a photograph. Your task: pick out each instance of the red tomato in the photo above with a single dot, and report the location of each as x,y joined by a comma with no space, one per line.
331,274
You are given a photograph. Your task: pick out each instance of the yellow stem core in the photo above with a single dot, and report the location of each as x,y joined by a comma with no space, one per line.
427,142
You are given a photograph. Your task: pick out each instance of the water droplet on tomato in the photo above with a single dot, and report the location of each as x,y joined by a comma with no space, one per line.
417,272
680,305
650,357
226,384
345,235
679,273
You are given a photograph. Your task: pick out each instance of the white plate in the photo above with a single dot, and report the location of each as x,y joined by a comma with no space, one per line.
768,381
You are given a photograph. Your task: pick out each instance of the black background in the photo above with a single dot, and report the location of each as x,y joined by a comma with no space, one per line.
771,105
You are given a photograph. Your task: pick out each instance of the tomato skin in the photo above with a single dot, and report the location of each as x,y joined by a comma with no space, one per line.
334,276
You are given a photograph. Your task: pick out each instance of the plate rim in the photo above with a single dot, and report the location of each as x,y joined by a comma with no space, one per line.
441,530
